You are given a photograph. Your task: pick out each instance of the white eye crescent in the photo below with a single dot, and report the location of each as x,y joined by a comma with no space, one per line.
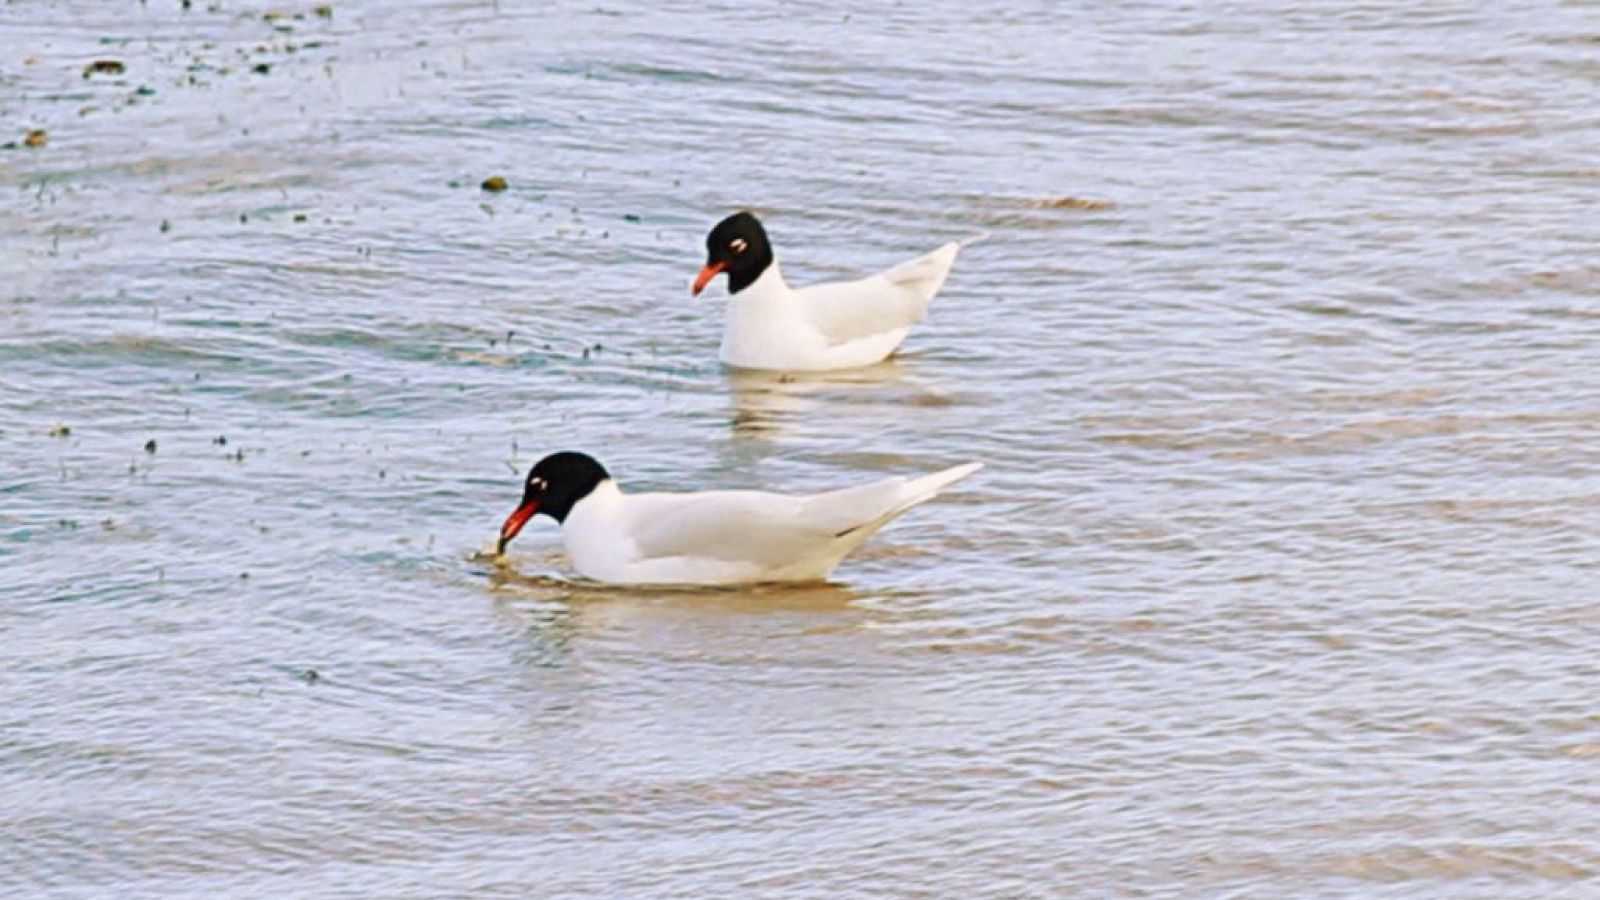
738,245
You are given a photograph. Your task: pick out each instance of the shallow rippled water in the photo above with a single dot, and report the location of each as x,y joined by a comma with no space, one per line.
1282,579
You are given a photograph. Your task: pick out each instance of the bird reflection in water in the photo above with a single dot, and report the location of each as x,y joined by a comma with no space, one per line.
766,404
541,588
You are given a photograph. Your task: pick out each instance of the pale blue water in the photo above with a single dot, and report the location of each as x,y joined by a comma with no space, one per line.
1280,582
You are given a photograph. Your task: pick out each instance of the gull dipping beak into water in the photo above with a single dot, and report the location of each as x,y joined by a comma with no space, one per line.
713,537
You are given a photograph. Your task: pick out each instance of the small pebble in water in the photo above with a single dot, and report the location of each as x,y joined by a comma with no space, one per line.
36,138
494,184
150,446
60,431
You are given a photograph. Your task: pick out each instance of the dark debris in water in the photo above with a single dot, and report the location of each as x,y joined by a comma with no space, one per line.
60,431
494,184
104,67
150,446
38,137
1073,203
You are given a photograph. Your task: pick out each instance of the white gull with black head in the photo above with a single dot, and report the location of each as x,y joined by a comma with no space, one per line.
839,325
712,537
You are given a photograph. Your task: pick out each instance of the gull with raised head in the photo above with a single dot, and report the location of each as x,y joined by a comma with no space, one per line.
839,325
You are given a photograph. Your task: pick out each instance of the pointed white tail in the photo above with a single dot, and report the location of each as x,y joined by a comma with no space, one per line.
929,486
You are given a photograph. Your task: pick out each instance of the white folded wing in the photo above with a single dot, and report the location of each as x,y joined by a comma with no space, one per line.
741,536
890,300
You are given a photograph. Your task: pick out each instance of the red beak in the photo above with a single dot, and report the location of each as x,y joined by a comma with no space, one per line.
711,271
514,524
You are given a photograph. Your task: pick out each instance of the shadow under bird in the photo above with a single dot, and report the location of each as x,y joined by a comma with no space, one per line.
839,325
713,537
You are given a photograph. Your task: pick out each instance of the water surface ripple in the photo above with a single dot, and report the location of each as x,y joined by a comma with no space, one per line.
1281,581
